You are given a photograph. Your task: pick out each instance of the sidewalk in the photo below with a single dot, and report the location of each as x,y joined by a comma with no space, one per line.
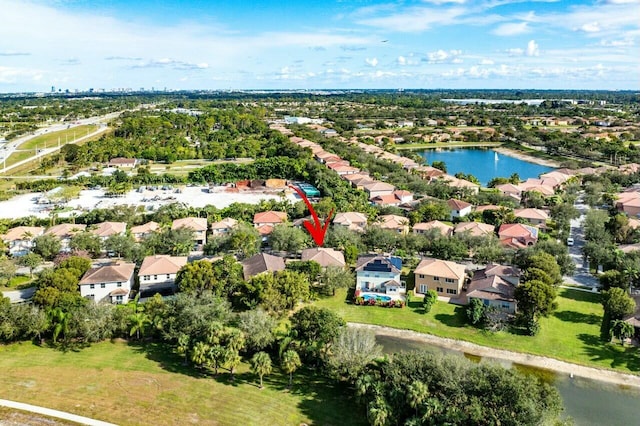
53,413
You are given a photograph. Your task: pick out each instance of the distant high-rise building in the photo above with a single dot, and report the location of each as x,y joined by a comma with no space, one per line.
53,89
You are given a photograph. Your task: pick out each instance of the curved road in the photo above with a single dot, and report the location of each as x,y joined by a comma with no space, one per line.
53,413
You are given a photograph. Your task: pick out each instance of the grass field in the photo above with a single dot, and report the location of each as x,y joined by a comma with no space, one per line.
145,384
16,283
570,334
48,140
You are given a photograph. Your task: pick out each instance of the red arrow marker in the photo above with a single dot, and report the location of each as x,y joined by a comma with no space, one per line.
316,229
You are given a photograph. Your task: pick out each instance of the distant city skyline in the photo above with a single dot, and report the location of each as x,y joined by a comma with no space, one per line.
220,45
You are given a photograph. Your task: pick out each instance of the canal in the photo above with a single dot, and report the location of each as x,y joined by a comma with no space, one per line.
588,402
483,163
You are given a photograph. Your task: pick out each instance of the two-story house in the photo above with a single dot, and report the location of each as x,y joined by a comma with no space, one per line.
19,240
198,225
111,283
495,286
260,263
157,274
266,221
223,226
105,230
379,273
64,232
443,276
536,217
324,256
141,232
353,220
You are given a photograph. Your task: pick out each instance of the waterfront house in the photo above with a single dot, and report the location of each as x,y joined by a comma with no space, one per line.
495,286
111,283
157,274
443,276
379,273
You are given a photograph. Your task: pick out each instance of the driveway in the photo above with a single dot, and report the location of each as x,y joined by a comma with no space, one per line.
581,277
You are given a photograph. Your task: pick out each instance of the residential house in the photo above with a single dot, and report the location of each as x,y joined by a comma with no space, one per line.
443,276
379,273
424,227
396,198
198,225
266,221
628,202
324,256
517,235
19,240
141,232
353,220
223,226
111,283
260,263
105,230
535,217
474,229
123,162
64,232
510,190
459,208
377,188
394,223
157,274
495,286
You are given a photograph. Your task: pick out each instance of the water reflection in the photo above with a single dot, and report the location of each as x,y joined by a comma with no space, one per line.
588,402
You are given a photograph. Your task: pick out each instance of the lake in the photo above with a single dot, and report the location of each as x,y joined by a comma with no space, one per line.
483,163
588,402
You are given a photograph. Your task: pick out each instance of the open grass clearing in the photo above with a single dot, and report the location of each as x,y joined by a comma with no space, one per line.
570,334
138,384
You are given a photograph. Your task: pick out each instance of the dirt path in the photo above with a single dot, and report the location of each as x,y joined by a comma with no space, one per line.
608,376
524,157
53,413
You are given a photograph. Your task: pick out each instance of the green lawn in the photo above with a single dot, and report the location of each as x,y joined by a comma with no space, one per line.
146,384
48,140
16,283
570,334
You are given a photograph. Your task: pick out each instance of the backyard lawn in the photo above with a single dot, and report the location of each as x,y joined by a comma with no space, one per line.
570,334
145,384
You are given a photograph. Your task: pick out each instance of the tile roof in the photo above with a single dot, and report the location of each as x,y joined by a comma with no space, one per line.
115,272
145,228
23,232
162,264
440,268
458,204
270,217
531,214
261,262
65,230
434,224
226,223
324,256
193,223
474,228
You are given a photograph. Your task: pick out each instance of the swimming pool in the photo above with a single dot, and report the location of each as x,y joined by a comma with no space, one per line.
377,297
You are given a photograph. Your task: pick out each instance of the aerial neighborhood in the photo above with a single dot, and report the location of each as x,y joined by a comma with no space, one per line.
243,235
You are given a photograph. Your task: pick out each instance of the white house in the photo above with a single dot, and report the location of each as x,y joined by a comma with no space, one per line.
379,274
111,283
20,239
459,208
158,273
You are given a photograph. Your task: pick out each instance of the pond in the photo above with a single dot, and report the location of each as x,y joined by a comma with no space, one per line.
485,164
588,402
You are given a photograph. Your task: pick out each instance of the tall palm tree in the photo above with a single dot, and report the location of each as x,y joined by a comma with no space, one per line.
60,321
138,323
261,365
290,363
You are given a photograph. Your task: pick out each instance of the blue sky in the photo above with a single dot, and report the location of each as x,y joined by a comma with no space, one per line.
302,44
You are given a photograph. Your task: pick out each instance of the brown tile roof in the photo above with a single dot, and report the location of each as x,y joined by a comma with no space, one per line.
474,228
491,288
22,233
457,204
270,217
106,229
115,272
65,230
226,223
434,224
517,230
162,264
145,228
193,223
531,214
260,263
392,221
349,218
379,186
324,256
440,268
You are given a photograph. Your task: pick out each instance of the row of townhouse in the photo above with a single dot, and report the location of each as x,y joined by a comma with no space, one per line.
112,282
494,284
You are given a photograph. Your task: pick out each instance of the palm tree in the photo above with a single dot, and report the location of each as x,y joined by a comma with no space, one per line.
417,394
60,319
290,363
138,323
261,365
199,353
232,360
622,330
183,346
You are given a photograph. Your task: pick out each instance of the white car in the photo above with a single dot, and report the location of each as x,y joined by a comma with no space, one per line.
569,241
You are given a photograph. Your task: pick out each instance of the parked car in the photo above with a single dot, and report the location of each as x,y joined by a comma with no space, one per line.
569,241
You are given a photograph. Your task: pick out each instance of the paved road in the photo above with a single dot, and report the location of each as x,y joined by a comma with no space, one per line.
581,277
53,413
20,296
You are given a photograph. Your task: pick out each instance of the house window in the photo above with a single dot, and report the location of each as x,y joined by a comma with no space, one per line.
376,276
439,289
92,286
421,275
449,280
168,276
505,306
119,299
147,277
119,284
102,285
155,277
452,291
423,288
436,278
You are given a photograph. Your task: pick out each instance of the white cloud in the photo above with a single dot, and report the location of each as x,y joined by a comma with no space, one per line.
516,51
511,29
533,48
486,62
617,43
591,27
371,62
10,75
415,19
440,56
